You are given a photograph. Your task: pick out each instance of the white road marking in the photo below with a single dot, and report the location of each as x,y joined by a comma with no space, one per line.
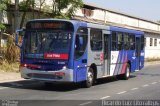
105,97
154,83
134,89
3,88
122,92
85,103
145,85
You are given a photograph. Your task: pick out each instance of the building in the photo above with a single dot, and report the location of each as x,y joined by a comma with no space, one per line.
95,14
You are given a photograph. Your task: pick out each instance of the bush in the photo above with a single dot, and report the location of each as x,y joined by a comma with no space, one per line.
12,52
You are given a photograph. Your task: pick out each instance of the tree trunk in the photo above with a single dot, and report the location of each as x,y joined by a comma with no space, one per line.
24,15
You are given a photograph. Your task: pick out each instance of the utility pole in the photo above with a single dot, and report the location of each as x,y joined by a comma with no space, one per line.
16,26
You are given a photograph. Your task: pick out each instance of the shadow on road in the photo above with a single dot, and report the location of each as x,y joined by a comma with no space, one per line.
59,87
147,74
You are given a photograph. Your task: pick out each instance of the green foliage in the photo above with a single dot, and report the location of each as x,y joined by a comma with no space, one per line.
25,4
3,7
70,5
2,27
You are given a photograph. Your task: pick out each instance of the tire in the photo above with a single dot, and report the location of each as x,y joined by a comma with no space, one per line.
127,73
90,78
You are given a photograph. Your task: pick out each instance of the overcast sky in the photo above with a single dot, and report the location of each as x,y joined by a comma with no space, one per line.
147,9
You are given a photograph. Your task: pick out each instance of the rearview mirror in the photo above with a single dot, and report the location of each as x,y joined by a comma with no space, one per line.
17,37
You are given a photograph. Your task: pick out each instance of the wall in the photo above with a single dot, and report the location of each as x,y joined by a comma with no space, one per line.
152,52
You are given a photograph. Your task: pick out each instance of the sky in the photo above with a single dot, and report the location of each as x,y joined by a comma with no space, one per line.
147,9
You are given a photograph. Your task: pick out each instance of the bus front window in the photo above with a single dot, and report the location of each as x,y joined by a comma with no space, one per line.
41,42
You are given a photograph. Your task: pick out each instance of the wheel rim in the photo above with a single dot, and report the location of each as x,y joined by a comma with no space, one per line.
128,72
90,77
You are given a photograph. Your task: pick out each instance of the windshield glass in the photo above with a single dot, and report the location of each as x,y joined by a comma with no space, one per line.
47,44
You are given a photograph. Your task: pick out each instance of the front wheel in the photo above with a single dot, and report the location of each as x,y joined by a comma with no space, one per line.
90,78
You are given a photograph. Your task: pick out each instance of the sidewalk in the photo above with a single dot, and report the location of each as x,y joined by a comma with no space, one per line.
9,76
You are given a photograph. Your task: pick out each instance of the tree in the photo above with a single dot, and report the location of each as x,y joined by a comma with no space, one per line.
69,5
25,6
3,6
55,9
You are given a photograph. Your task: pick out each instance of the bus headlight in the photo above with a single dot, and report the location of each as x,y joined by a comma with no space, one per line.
64,67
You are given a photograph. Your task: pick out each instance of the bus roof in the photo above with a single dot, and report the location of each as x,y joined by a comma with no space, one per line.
113,28
74,22
77,23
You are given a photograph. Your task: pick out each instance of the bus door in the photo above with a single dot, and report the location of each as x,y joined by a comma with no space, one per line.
138,52
107,51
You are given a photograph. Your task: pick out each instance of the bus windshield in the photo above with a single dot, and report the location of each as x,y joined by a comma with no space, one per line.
47,44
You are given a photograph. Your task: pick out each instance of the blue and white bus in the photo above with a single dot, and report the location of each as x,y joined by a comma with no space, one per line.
56,50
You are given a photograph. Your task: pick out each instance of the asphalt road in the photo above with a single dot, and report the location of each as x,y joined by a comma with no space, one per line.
143,85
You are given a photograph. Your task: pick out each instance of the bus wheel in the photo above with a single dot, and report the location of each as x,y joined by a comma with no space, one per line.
90,78
127,73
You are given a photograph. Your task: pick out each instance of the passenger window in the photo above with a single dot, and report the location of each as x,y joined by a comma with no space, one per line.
120,41
80,44
114,41
96,39
126,41
143,42
132,41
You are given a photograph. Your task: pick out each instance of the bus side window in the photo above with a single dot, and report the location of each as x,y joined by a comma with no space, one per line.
142,42
80,44
114,41
132,41
126,41
96,39
120,41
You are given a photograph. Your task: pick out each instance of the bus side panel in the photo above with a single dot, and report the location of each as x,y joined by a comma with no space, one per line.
80,68
123,62
142,59
115,58
131,58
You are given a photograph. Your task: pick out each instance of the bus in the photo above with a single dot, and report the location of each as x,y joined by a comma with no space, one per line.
57,50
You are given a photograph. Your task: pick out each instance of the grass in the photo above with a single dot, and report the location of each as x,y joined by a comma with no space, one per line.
9,67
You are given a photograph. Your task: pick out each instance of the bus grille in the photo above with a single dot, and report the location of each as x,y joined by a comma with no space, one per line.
43,76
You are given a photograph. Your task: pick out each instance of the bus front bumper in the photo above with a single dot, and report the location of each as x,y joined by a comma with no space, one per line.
55,76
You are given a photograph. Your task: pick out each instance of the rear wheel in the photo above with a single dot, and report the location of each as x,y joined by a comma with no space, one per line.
90,78
127,73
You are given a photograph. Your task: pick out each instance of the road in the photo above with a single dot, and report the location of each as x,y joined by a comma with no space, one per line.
143,85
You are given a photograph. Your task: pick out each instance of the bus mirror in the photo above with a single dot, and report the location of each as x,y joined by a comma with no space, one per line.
17,37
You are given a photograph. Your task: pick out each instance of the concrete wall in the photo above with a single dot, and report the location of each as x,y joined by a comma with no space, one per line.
113,17
152,52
